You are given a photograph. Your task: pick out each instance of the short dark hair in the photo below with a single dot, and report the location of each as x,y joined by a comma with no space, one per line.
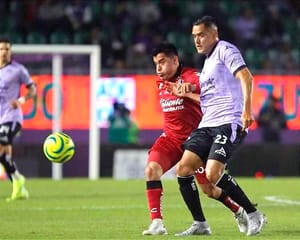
167,48
4,40
208,21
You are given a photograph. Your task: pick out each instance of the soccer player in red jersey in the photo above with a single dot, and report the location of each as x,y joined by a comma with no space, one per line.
181,115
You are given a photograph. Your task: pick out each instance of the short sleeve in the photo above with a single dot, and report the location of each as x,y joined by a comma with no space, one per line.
232,58
25,76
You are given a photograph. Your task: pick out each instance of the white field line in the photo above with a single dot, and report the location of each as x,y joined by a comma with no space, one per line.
281,201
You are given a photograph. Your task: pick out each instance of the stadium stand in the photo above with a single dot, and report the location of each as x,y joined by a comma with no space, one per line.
277,23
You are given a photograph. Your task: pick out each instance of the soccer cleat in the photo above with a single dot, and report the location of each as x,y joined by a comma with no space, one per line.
24,194
19,191
255,223
241,218
197,228
156,228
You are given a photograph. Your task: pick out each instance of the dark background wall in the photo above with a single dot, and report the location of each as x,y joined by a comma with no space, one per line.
271,159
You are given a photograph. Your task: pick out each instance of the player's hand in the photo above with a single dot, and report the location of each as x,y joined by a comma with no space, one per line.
169,86
180,90
186,88
247,119
15,103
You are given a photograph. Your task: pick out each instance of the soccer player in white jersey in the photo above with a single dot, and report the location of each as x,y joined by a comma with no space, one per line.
225,100
12,76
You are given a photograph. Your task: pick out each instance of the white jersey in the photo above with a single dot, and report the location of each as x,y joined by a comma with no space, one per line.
221,97
12,77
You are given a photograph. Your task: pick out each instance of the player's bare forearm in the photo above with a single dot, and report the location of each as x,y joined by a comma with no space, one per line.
246,79
31,92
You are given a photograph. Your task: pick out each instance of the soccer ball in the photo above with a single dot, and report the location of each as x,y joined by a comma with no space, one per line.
58,147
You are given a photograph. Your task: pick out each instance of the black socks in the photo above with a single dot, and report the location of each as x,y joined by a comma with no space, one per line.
190,194
229,185
8,166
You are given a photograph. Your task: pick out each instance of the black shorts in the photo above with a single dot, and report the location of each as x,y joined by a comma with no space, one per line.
8,131
216,143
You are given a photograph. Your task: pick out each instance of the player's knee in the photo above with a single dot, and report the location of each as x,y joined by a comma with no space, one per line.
184,170
212,176
153,171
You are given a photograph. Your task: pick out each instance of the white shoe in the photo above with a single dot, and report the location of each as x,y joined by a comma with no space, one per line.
156,228
241,218
197,228
256,223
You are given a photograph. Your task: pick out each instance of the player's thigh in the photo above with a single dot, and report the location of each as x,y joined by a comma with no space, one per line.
226,139
8,131
199,143
214,170
188,164
166,152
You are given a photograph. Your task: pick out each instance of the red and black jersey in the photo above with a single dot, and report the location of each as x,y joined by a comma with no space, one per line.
180,115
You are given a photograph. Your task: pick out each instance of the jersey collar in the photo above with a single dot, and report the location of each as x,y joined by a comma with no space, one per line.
208,55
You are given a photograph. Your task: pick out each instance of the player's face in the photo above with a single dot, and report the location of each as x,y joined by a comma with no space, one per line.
166,66
5,52
204,38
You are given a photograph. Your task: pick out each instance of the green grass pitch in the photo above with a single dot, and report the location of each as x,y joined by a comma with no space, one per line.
111,209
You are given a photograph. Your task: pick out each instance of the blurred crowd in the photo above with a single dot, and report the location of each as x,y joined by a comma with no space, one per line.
267,31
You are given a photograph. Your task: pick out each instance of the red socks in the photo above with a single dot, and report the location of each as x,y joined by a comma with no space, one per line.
154,202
